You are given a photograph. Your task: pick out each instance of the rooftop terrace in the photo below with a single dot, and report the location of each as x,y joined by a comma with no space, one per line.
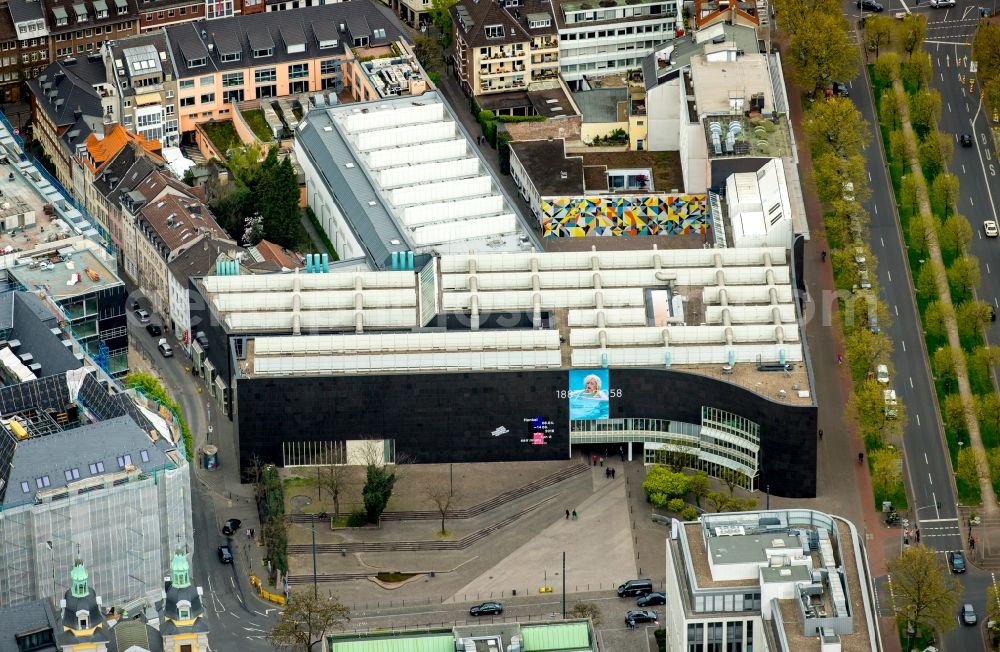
69,271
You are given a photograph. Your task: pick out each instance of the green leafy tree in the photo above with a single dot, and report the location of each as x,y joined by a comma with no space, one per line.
911,31
986,51
935,319
898,149
916,71
837,126
944,189
935,149
920,228
956,233
831,172
993,460
973,317
717,501
982,360
428,52
865,350
925,593
793,14
878,32
332,479
820,52
908,199
440,14
927,279
887,65
967,470
662,484
988,412
731,478
943,364
699,486
888,108
887,470
306,619
925,110
276,199
964,275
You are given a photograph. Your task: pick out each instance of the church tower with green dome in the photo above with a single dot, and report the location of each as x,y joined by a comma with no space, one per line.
83,624
183,622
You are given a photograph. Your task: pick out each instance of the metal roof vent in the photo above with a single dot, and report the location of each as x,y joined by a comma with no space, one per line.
349,166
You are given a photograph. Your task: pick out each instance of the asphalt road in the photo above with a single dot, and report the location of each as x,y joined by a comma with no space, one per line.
239,620
926,453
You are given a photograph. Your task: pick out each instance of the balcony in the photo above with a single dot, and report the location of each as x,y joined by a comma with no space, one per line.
503,54
489,86
545,73
545,58
485,71
547,44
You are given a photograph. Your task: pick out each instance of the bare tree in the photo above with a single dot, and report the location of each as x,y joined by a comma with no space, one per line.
332,479
442,496
308,616
731,477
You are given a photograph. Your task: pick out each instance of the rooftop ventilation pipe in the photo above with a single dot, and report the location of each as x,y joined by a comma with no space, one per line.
779,334
409,260
326,262
395,260
296,320
781,357
309,263
732,358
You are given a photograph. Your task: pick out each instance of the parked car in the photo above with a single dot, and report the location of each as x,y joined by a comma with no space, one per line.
968,614
848,191
487,609
142,316
839,88
165,350
640,616
938,4
154,330
651,599
870,5
225,555
956,562
966,140
202,340
633,588
231,526
990,229
882,374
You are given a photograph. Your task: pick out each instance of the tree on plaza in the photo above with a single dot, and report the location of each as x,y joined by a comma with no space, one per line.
428,52
442,496
306,619
910,32
925,593
662,484
944,189
887,470
731,477
831,172
698,486
818,55
888,108
964,275
935,319
586,610
332,478
380,478
718,501
934,151
837,126
878,32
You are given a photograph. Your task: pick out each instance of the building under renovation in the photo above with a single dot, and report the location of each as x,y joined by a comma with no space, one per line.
84,471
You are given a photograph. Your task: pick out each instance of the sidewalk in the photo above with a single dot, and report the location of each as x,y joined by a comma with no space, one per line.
838,450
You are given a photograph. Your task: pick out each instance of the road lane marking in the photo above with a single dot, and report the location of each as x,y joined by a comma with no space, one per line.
233,582
963,168
930,480
972,202
869,177
882,240
911,382
904,345
926,461
896,308
987,268
967,108
876,209
939,520
942,76
918,423
949,106
889,274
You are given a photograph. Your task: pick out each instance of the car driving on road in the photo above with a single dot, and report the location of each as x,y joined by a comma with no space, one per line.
966,140
487,609
230,527
990,229
956,562
870,5
969,614
225,555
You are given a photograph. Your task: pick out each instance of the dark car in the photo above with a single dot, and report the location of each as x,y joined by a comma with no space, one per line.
225,555
870,5
651,599
840,89
993,314
133,304
956,562
487,609
640,616
154,330
230,526
966,140
968,614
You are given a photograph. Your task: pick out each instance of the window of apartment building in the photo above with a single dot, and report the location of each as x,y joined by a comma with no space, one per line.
266,52
265,75
329,67
127,121
361,42
79,33
144,454
64,52
183,10
230,79
267,91
494,31
25,487
169,109
207,80
207,98
298,70
126,26
168,94
159,14
187,101
378,32
62,38
301,86
185,83
332,83
235,95
88,32
230,56
79,50
102,13
206,114
124,460
170,13
149,16
90,46
128,104
540,22
151,120
34,56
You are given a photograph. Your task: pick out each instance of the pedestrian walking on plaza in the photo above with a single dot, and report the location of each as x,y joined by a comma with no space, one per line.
574,514
621,452
248,533
600,461
612,474
631,623
607,473
567,514
253,534
821,434
593,458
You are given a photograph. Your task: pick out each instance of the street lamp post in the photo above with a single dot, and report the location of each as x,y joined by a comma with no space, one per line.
52,564
315,583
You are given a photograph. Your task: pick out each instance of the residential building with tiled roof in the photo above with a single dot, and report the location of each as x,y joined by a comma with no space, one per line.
193,262
504,47
142,86
78,28
275,253
30,53
65,109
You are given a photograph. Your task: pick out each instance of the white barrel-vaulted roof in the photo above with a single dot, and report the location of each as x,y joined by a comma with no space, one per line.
651,308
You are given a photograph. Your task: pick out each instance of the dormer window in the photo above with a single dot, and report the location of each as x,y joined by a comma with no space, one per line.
494,31
378,32
83,619
260,54
512,3
196,63
124,460
535,23
183,613
230,56
326,45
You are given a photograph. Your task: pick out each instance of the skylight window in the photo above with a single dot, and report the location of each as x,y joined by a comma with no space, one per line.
97,467
144,454
72,474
